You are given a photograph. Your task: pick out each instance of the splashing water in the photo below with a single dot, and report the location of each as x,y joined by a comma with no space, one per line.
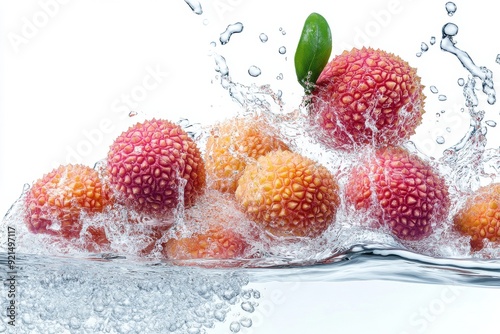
127,291
230,30
447,44
195,6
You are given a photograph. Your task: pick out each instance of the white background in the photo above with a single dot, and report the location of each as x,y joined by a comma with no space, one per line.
67,67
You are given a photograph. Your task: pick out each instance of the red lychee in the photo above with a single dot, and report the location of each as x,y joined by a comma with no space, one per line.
366,96
55,202
479,218
154,166
288,194
401,191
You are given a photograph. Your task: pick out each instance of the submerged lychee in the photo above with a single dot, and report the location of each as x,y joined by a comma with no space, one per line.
232,145
366,96
154,166
288,194
401,191
55,203
479,218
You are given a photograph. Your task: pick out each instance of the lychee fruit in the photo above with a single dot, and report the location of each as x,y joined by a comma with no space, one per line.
232,145
288,194
217,242
366,96
154,166
401,191
55,202
479,217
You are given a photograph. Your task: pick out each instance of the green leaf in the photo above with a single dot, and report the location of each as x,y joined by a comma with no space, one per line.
313,50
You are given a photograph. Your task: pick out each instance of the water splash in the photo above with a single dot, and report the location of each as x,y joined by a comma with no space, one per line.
195,6
230,30
447,44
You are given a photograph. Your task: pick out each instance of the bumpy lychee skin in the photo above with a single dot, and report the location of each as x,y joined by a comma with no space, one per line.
154,165
401,190
288,194
55,202
215,243
479,218
232,145
364,97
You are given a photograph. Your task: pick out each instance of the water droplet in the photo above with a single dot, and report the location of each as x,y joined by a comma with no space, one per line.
206,22
418,54
283,32
263,38
195,6
442,97
256,293
132,113
246,322
230,30
433,89
498,59
461,82
438,114
280,94
491,123
424,47
280,76
448,129
234,327
282,50
443,111
254,71
440,140
433,40
450,29
451,8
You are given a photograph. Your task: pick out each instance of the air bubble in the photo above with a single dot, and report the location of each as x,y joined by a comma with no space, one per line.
234,327
263,38
246,322
433,89
461,82
248,307
440,140
451,8
230,30
442,97
282,50
254,71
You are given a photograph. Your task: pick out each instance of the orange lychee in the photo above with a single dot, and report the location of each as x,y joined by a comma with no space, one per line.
232,145
288,194
55,202
479,217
